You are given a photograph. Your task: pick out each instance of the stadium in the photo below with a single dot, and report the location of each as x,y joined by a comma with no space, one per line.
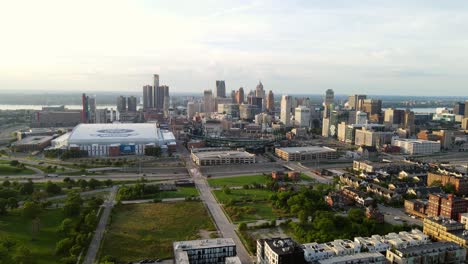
116,139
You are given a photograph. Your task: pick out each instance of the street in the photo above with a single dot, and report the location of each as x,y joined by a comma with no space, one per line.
93,249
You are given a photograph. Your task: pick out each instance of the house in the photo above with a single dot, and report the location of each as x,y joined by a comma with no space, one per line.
387,194
368,153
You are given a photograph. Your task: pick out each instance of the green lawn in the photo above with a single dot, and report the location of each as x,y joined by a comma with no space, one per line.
18,228
142,231
7,169
256,211
243,195
238,180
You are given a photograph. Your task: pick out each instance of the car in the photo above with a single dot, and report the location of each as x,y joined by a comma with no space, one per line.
396,218
414,217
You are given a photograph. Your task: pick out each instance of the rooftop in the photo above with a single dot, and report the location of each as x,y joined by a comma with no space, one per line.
225,153
442,245
33,140
283,246
310,149
203,243
351,258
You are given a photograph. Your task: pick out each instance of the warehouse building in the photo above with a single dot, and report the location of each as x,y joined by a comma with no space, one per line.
33,143
417,146
117,139
221,157
306,153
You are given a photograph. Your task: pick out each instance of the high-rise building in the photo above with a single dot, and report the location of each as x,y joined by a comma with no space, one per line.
466,109
371,106
240,96
121,104
329,97
459,108
147,97
132,104
353,100
302,116
220,89
85,110
257,101
394,116
285,117
270,102
259,92
408,121
158,95
233,96
361,117
208,101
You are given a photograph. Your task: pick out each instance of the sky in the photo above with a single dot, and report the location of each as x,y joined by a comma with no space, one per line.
392,47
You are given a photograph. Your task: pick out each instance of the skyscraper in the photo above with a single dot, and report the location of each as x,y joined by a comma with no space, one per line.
353,101
302,116
285,117
408,122
147,96
208,101
270,102
459,108
132,104
157,102
466,109
220,89
121,104
85,110
240,96
329,97
259,92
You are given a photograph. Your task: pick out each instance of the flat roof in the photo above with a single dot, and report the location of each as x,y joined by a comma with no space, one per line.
34,140
420,141
142,133
434,245
310,149
358,256
219,154
203,243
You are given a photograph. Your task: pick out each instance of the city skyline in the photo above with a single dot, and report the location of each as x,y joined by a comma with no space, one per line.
302,47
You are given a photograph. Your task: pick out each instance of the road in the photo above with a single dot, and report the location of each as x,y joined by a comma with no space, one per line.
306,171
390,213
226,228
101,227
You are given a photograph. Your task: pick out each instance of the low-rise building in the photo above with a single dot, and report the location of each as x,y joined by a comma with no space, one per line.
386,193
223,157
279,251
458,180
358,196
445,229
204,251
377,243
33,143
306,153
438,252
416,207
360,258
446,205
416,146
315,251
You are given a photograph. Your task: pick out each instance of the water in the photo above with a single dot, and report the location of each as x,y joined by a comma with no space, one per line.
39,107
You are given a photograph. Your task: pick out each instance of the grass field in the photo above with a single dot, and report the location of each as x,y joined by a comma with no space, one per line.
18,228
259,211
243,195
7,169
238,180
142,231
181,192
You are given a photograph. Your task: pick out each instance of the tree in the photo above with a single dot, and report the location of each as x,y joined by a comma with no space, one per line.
108,182
242,226
83,184
63,247
32,210
6,183
449,188
52,188
3,206
66,227
27,187
226,190
356,215
12,203
72,205
14,163
93,183
24,256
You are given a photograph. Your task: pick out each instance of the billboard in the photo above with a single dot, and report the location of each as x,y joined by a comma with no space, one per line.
127,149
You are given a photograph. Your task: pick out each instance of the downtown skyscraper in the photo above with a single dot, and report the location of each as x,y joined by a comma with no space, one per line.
220,89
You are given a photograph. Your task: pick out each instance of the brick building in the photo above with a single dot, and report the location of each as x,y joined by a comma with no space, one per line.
446,205
459,181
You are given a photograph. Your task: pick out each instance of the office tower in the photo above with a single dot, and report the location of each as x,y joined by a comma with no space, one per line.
302,116
85,110
220,89
371,106
132,104
459,108
270,102
121,104
408,122
329,97
353,101
157,103
257,101
240,96
91,109
361,118
394,116
147,96
208,101
466,109
233,96
259,92
164,99
285,115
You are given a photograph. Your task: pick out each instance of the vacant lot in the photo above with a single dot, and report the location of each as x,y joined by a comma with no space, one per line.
181,192
18,228
238,180
240,195
143,231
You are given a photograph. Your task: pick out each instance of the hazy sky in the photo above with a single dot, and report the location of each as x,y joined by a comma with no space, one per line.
378,47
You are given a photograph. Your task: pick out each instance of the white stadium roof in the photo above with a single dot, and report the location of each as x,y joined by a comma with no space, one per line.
119,133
